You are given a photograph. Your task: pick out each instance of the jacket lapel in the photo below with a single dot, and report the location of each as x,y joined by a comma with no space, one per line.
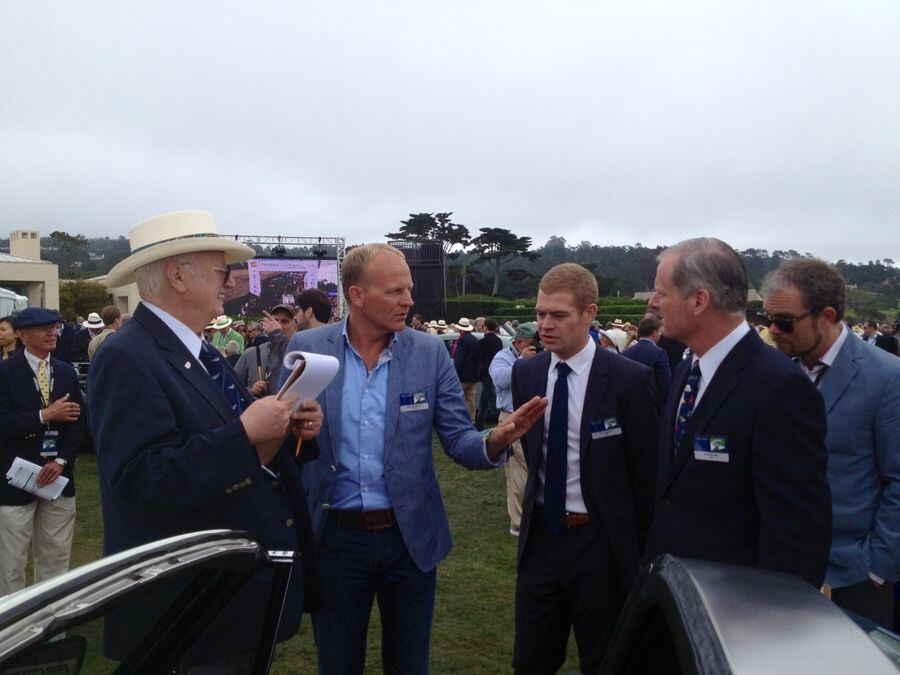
727,377
394,384
538,387
842,371
334,392
183,362
594,397
24,378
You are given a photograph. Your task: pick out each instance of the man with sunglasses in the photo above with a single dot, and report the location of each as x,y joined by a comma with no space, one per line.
804,302
741,474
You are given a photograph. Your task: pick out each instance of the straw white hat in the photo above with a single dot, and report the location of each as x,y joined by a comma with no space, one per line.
93,321
220,322
173,234
465,325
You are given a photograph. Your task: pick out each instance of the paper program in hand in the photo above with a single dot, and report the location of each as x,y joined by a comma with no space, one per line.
309,375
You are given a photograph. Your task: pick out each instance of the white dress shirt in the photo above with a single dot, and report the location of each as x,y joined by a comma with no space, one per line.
711,360
189,338
34,364
827,359
577,381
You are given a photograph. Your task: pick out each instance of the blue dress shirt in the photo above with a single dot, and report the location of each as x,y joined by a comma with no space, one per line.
359,483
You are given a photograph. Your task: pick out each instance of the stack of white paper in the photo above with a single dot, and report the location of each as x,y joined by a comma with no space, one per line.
23,474
309,375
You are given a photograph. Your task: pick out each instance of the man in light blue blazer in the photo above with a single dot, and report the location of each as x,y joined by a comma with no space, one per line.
804,301
375,502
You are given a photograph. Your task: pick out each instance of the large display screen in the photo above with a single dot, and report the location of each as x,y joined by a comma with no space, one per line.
262,283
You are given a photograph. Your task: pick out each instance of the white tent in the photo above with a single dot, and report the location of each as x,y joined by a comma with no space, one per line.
11,302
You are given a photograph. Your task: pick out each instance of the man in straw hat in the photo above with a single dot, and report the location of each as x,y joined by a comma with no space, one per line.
181,444
375,500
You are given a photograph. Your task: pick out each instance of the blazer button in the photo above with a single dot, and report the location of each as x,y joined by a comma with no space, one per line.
274,483
228,491
325,507
333,468
289,522
666,503
237,486
247,481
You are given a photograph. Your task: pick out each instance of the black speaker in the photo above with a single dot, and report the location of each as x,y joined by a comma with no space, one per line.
426,265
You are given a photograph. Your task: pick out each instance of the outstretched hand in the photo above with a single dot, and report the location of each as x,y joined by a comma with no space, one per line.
516,425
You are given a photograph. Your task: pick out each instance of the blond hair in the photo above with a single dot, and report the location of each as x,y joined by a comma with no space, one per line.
357,260
574,279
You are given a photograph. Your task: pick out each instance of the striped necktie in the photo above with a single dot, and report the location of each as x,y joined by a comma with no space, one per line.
686,408
222,376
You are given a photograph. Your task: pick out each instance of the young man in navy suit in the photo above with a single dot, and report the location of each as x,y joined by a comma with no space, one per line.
804,303
591,475
742,452
40,421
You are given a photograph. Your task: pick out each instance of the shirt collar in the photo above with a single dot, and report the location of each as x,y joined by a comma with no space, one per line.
711,360
828,357
580,362
347,342
189,338
33,360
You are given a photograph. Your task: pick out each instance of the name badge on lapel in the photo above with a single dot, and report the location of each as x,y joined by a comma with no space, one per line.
608,426
49,444
711,448
413,402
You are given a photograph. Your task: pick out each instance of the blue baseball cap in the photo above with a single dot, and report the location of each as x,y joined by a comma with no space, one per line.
35,316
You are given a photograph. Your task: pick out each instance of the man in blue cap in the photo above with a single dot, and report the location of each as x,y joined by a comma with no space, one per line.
40,421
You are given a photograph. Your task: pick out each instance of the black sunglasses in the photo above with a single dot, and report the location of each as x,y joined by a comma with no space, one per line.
784,323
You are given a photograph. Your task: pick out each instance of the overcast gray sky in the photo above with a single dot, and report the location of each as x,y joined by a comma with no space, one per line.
769,124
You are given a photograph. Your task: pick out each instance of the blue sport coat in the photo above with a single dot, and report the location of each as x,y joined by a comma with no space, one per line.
419,363
862,402
644,351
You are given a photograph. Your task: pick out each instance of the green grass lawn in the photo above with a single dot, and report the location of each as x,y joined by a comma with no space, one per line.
473,619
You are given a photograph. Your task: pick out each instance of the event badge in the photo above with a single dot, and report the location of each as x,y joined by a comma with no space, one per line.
711,448
48,444
608,426
413,402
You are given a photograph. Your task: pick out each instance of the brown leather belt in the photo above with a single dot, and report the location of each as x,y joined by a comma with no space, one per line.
577,519
366,520
570,519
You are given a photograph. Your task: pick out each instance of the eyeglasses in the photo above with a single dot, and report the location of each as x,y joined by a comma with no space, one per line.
783,323
224,271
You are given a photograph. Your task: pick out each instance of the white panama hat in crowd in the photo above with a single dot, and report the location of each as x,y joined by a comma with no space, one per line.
220,322
172,234
465,325
93,321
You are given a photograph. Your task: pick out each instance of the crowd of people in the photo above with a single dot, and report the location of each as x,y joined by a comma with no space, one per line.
773,445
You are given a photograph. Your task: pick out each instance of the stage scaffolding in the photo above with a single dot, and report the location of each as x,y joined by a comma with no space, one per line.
320,248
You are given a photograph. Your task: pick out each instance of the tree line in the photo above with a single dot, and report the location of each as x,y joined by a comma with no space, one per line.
500,263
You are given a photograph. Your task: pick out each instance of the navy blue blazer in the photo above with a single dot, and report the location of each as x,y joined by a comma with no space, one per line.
21,431
173,457
769,505
465,359
644,351
618,473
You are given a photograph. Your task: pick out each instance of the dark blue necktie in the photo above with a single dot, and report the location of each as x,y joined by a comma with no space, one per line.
687,404
222,376
557,450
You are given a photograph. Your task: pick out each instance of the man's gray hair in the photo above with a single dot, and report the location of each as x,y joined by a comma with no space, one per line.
232,347
150,277
820,284
711,264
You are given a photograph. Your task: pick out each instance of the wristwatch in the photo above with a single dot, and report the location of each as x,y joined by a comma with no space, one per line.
60,461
